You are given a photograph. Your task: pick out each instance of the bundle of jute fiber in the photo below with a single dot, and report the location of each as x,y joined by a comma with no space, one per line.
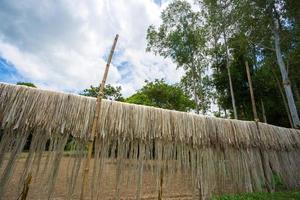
218,155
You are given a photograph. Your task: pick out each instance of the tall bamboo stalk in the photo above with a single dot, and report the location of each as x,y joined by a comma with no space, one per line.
229,78
263,111
251,92
160,191
195,89
95,120
26,187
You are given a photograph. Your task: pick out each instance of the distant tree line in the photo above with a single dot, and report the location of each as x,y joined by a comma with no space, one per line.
156,93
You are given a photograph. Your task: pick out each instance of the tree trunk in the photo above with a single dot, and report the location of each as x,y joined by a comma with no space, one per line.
251,92
286,82
229,77
195,89
201,95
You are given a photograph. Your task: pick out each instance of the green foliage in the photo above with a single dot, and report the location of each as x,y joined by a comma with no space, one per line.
227,33
110,92
160,94
182,37
247,26
289,195
278,183
71,144
203,89
26,84
265,86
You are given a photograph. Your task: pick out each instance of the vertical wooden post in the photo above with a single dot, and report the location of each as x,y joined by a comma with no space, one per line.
160,191
26,187
263,111
95,121
251,92
229,77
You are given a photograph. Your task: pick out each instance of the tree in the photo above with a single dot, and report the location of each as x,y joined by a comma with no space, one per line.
214,43
26,84
181,37
274,26
279,55
160,94
110,92
292,8
220,15
204,92
250,37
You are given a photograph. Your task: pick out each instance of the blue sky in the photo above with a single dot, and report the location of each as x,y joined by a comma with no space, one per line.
8,73
63,45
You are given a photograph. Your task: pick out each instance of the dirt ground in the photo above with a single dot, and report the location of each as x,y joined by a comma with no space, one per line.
176,188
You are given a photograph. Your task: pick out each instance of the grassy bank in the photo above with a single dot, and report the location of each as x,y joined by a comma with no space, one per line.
287,195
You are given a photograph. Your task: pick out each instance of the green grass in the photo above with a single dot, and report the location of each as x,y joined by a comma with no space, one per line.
262,196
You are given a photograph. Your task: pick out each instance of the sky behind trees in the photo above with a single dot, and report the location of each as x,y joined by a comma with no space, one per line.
63,45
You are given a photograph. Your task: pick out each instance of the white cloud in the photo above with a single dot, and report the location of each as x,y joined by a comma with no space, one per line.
63,44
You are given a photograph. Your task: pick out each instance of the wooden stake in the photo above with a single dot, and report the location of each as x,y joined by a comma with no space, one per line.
263,111
95,121
229,77
160,191
251,92
26,187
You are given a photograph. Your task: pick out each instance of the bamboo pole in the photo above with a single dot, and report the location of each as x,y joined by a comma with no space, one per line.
95,121
263,111
251,92
26,187
229,78
160,191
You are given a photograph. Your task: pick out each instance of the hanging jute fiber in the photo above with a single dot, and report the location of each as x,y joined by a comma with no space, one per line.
208,155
